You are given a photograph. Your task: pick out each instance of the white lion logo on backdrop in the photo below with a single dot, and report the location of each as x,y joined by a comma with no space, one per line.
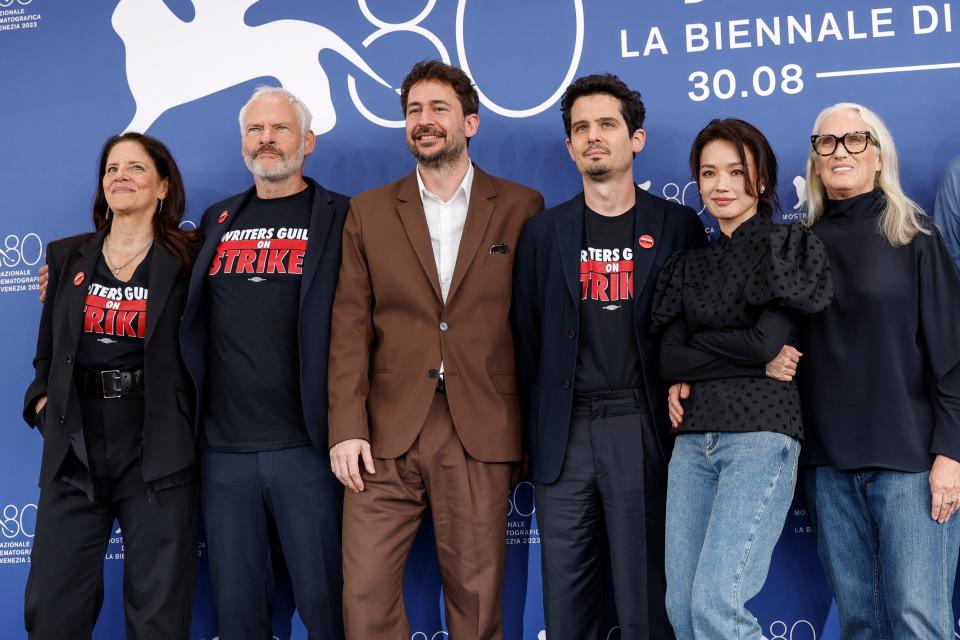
171,62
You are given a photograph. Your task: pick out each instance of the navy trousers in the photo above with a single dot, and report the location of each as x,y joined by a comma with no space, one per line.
243,494
609,502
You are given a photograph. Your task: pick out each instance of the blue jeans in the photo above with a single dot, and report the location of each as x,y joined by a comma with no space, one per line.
727,499
891,567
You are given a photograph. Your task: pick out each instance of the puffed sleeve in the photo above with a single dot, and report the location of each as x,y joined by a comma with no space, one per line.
939,285
794,274
668,294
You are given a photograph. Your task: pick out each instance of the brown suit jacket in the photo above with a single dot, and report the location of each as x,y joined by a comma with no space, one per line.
387,341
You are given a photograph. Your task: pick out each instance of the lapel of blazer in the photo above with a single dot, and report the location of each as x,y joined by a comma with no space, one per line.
410,209
83,261
163,272
569,226
648,221
479,210
212,232
321,218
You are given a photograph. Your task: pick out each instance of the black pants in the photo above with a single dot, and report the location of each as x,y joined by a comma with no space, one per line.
65,588
611,496
295,489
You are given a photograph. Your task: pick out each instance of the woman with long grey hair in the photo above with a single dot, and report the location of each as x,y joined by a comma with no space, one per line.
881,389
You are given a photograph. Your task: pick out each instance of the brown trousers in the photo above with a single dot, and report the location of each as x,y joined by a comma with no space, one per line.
468,499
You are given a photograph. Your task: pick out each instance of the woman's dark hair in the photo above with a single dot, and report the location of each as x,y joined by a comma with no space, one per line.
745,137
167,217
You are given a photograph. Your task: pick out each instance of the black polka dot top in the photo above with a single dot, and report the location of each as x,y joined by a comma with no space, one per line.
726,311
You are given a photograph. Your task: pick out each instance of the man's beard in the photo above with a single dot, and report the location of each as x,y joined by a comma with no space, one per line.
277,171
598,171
446,155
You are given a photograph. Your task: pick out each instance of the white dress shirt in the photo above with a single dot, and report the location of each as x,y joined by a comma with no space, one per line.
445,221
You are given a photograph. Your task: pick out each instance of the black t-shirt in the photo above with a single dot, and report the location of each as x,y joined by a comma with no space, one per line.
608,358
114,319
252,395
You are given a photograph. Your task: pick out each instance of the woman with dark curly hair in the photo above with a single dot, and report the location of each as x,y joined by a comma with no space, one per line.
114,405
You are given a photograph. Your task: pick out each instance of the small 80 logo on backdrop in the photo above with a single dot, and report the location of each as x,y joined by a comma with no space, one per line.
14,17
17,527
20,256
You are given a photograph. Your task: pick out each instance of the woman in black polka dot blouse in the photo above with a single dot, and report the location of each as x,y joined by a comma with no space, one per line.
727,314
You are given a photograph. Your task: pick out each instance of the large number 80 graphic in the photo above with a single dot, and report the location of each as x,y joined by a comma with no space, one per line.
413,26
7,3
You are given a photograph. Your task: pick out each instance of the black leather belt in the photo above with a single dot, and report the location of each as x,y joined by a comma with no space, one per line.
441,385
109,384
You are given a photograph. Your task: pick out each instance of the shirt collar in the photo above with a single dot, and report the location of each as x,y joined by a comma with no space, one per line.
466,185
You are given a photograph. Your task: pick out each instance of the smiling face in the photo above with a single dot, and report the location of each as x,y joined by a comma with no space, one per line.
846,174
131,183
437,130
274,146
723,184
600,142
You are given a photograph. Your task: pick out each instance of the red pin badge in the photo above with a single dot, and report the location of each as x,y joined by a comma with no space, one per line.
78,279
223,216
646,241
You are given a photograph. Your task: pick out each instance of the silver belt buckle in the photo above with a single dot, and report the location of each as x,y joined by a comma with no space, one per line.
111,389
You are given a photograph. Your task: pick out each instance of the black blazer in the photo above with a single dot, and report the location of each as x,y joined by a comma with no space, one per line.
317,287
546,317
168,444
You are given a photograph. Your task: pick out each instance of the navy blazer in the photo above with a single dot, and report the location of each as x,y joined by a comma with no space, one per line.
168,445
546,317
317,286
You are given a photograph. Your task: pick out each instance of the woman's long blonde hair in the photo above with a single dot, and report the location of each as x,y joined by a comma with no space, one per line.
900,220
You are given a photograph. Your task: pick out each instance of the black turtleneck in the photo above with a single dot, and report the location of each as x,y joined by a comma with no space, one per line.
880,375
726,311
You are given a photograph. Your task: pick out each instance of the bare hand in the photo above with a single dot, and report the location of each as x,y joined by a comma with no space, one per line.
343,462
679,391
944,488
44,278
41,403
784,366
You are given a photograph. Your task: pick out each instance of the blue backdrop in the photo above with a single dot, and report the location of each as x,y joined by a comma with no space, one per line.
77,72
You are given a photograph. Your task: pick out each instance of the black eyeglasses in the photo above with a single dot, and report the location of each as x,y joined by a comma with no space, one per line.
853,142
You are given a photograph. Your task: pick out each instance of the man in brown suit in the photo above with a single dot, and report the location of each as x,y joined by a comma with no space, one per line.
422,379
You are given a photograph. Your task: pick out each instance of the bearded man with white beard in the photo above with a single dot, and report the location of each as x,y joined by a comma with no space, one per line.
254,335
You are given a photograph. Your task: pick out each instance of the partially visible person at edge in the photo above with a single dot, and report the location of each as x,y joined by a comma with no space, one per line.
255,336
727,314
114,404
588,372
946,208
880,389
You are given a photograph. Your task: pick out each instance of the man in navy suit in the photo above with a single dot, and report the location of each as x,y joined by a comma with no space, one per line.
255,336
588,372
